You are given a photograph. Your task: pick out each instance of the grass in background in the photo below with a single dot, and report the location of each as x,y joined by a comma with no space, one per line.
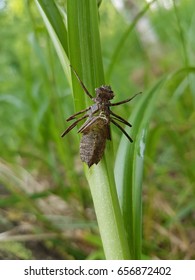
34,106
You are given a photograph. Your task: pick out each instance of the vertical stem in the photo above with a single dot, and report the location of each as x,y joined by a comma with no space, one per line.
86,58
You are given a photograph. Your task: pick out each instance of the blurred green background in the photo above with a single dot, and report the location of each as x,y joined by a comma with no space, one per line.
46,210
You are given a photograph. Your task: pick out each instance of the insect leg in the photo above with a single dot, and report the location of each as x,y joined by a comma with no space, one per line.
73,125
88,123
78,113
83,86
122,130
120,119
124,101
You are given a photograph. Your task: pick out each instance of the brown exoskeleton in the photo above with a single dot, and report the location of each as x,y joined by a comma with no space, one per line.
96,129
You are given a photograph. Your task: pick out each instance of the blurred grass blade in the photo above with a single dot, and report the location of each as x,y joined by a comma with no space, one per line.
129,170
86,58
57,31
54,17
123,39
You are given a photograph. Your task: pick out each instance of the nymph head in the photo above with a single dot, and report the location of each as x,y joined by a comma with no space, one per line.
104,92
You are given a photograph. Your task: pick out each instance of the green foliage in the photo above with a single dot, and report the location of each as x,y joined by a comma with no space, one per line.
43,190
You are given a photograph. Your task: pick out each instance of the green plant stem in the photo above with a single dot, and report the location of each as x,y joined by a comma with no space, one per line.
86,58
129,170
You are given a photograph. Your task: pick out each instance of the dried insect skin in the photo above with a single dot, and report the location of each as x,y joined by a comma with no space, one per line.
93,143
96,129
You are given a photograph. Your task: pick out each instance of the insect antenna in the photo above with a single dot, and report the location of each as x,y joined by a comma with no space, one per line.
83,86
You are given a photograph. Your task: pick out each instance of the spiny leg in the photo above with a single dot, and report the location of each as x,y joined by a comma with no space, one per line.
73,125
120,119
122,130
83,86
124,101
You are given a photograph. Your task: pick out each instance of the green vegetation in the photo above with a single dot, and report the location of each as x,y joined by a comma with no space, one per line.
49,200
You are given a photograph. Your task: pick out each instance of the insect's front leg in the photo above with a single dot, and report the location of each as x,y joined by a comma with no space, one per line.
83,86
124,101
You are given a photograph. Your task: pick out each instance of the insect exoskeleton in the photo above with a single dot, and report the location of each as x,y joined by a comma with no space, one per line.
96,129
93,141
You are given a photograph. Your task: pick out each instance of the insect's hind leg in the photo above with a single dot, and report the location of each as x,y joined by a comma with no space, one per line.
120,119
115,123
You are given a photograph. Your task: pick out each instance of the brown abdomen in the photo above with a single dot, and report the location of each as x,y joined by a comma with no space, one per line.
92,145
